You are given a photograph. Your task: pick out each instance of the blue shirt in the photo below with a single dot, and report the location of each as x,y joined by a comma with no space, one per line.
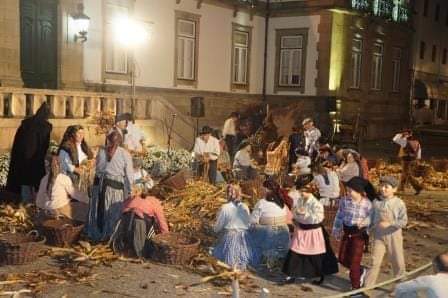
352,214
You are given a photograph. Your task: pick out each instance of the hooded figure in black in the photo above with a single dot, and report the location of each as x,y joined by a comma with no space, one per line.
27,166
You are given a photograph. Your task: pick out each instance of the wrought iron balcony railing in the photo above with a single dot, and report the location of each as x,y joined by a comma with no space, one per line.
362,5
383,8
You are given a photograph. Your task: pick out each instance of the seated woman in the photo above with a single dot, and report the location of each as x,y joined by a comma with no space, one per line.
243,164
310,254
303,163
270,218
140,174
142,216
235,246
73,152
56,192
327,181
349,168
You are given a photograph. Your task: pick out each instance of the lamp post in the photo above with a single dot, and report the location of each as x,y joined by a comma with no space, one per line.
131,33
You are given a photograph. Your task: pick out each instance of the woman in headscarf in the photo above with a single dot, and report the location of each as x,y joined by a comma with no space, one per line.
27,166
235,246
114,177
57,196
310,254
327,181
73,152
350,167
270,220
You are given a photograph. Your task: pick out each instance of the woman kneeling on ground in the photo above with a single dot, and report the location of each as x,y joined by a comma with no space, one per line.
142,217
56,192
235,246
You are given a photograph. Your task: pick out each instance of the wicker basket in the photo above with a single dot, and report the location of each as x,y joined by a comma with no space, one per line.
177,181
18,249
330,215
175,249
61,232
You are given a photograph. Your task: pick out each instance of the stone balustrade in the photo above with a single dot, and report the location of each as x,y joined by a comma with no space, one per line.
153,113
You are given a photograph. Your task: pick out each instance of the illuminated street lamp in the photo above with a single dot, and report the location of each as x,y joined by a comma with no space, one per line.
81,23
132,33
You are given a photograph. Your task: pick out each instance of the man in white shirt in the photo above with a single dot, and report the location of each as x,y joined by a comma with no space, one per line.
133,137
229,134
436,285
312,135
206,151
410,153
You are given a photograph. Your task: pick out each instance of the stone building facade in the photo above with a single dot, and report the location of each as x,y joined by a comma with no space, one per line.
218,50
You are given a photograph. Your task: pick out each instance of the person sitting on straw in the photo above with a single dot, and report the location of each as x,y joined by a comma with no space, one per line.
243,164
140,174
235,246
436,285
56,192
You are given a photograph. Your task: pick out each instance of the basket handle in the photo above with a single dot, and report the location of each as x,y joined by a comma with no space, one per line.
36,233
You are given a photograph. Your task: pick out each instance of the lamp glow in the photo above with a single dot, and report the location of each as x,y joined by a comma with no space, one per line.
130,32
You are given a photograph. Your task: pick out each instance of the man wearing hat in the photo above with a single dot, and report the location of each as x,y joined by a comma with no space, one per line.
206,150
389,217
133,137
312,136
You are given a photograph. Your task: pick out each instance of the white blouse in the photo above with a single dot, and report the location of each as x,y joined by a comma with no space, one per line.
242,159
314,211
266,209
232,217
348,171
331,190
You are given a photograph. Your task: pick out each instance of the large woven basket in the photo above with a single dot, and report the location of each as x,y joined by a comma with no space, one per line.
61,232
175,249
177,181
18,249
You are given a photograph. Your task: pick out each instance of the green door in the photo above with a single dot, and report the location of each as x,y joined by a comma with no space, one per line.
38,43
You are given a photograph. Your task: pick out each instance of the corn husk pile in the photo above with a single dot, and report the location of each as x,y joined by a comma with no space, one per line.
193,210
429,177
16,218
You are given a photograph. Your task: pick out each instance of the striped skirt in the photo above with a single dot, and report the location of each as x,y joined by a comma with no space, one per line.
236,249
105,206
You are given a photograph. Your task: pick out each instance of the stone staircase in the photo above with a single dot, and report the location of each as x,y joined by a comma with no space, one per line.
153,114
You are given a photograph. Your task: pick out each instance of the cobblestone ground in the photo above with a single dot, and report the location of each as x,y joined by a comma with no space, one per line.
124,279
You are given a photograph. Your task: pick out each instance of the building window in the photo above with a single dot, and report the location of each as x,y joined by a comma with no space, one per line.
437,12
396,68
422,50
434,53
187,42
115,53
290,59
444,56
377,66
356,63
241,40
425,8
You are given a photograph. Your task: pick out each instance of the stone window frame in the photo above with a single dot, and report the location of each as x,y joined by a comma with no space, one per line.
377,79
191,17
397,55
279,33
248,30
360,64
110,75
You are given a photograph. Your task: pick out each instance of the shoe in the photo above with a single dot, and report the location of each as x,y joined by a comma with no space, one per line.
363,276
288,280
319,281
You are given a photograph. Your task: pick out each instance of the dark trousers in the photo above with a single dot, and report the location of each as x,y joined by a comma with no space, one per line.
212,168
231,146
407,175
350,256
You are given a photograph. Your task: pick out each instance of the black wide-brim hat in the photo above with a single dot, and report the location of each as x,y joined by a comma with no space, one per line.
123,117
206,130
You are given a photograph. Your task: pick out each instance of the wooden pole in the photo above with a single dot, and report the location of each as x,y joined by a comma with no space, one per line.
384,283
235,288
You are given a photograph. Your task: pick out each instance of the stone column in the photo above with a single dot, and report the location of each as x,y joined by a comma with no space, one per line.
78,106
2,104
17,107
140,108
71,52
93,106
58,106
38,100
10,43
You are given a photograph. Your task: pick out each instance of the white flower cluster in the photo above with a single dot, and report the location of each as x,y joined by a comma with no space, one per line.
4,167
159,162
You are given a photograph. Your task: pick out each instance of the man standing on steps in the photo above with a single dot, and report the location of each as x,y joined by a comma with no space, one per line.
206,151
410,153
229,134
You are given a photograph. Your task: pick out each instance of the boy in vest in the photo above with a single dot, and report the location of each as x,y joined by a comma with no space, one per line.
388,218
410,153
